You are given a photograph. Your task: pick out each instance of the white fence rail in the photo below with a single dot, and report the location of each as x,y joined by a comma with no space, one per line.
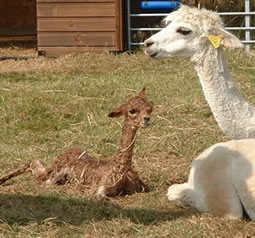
247,27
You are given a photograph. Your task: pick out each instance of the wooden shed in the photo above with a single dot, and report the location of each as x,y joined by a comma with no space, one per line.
17,19
79,26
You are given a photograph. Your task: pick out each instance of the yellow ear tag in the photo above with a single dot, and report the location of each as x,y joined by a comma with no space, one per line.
215,40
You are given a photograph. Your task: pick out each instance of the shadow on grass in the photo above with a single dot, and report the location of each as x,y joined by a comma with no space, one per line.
22,209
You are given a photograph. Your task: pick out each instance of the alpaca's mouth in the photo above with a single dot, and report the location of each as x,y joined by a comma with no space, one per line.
153,55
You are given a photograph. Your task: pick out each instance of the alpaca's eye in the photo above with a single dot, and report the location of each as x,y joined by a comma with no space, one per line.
183,30
132,111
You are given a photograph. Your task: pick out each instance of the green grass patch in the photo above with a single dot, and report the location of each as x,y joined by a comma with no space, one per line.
48,104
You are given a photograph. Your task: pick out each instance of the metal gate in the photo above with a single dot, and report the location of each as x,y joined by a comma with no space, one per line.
247,26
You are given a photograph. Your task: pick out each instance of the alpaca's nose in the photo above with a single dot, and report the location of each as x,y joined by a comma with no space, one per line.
148,43
146,121
146,118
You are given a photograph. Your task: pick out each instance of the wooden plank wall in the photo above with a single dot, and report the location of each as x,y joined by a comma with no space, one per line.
79,26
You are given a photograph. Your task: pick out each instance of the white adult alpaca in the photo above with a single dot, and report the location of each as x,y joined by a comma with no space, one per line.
199,35
221,181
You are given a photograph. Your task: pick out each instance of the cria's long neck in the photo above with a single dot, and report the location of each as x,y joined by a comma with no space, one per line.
224,99
127,143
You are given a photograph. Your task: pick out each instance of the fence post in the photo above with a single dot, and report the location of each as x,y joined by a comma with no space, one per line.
129,25
247,24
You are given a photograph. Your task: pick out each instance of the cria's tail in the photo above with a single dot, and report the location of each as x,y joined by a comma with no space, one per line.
15,173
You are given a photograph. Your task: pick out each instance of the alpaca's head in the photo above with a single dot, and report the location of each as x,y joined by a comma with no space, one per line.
189,31
137,111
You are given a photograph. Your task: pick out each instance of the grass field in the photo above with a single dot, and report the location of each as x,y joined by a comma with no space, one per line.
49,104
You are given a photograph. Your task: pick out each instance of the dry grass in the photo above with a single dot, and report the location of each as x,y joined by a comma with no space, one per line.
48,104
220,5
18,48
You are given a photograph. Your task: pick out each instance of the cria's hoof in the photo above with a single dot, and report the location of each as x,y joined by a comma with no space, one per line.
37,168
106,201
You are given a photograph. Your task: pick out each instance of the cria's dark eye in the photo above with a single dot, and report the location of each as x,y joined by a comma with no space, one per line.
183,30
132,111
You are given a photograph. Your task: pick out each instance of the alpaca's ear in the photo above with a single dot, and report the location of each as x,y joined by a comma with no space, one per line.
116,113
219,36
142,93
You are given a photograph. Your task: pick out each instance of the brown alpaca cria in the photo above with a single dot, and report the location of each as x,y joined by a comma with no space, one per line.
108,177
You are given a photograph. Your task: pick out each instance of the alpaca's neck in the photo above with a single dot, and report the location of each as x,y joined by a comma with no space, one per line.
228,106
127,144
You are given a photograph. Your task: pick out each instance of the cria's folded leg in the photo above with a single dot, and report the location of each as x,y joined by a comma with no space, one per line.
141,186
60,177
101,192
104,192
135,184
38,170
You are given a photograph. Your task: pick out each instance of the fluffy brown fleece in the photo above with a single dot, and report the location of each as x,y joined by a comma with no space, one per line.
108,177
